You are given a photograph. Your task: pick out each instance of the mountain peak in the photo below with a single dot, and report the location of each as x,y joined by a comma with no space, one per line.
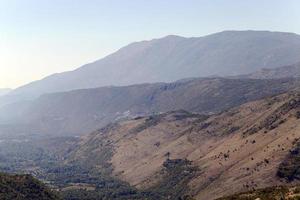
173,57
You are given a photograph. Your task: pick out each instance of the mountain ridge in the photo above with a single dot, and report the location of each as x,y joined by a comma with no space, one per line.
80,111
289,71
172,58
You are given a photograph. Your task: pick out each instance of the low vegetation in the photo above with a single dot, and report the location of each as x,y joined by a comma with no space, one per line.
271,193
175,177
24,187
289,169
173,185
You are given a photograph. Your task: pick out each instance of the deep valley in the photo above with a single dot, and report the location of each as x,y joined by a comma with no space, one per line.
201,129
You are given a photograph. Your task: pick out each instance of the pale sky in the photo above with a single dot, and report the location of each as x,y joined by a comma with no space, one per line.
41,37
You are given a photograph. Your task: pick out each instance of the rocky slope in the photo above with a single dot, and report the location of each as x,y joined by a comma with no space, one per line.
172,58
80,111
238,150
23,187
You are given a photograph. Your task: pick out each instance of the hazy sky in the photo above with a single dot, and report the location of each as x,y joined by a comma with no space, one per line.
40,37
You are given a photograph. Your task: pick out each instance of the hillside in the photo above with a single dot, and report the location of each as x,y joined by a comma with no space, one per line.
172,58
81,111
290,71
206,157
270,193
23,187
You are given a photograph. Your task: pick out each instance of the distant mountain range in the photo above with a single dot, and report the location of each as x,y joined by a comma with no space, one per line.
4,91
172,58
81,111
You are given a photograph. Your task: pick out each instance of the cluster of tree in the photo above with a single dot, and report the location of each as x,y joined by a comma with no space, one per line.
173,185
24,187
289,169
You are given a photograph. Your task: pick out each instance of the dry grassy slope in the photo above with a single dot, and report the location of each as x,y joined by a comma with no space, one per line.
238,150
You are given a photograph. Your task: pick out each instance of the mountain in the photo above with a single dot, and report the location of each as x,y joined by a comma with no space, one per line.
180,155
4,91
172,58
290,71
81,111
23,187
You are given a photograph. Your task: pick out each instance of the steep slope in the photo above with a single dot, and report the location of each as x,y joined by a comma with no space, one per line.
173,57
290,71
238,150
81,111
23,187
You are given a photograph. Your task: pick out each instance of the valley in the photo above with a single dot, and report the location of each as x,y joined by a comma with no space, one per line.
175,118
245,140
236,150
82,111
